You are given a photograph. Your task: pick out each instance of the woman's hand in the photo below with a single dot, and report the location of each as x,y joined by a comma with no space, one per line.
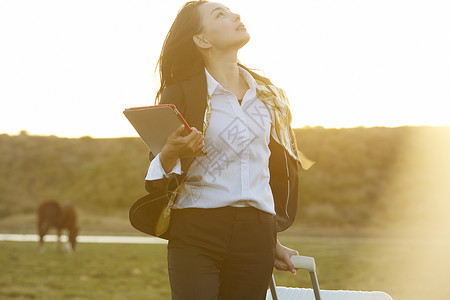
179,145
284,254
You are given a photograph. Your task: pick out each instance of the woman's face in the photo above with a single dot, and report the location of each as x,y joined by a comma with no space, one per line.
221,28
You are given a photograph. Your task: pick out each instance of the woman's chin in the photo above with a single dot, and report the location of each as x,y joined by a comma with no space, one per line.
243,41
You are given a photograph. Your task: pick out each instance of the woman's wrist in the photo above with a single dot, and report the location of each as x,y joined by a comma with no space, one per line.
169,154
168,160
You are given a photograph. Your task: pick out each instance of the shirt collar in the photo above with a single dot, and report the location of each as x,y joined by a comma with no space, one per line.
213,84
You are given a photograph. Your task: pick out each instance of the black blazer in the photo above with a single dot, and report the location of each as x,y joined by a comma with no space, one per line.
190,98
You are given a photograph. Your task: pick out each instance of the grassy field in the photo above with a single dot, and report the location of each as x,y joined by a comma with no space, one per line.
374,213
123,271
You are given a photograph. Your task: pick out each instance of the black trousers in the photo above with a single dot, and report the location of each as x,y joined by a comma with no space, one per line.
224,253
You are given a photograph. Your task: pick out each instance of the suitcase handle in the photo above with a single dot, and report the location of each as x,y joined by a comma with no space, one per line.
300,262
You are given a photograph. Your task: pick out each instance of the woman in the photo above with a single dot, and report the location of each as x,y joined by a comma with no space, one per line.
231,202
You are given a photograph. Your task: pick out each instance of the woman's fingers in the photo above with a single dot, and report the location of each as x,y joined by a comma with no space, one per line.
194,139
195,142
290,265
193,135
178,131
288,262
191,143
280,267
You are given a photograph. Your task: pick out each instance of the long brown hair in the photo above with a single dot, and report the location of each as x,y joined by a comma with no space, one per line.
180,59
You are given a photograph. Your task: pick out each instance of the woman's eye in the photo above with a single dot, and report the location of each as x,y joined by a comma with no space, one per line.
221,13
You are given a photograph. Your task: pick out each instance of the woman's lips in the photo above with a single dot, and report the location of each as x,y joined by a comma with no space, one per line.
240,27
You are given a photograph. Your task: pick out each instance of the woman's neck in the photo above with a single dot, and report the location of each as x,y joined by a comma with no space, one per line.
225,70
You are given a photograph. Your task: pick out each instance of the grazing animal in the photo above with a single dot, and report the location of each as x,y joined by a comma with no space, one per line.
52,214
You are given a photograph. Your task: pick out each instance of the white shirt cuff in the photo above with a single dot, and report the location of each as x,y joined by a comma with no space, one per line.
156,171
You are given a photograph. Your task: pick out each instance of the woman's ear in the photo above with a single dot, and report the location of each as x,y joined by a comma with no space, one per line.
201,42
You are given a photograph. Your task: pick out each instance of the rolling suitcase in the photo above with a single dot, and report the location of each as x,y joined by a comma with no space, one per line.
308,264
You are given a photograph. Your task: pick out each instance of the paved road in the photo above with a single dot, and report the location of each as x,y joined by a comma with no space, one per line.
85,239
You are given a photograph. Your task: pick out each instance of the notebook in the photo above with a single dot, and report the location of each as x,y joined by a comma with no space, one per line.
156,123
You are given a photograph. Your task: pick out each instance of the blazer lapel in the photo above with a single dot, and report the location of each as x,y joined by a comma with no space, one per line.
195,92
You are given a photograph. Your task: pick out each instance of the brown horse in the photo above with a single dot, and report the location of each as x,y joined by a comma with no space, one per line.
52,214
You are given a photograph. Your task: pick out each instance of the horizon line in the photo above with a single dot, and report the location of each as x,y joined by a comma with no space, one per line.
26,133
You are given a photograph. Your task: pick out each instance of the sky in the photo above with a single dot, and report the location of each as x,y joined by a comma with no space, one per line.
70,68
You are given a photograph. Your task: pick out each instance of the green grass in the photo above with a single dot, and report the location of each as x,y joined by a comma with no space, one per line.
123,271
94,271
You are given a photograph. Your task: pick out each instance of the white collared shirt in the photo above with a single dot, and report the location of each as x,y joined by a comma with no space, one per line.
235,171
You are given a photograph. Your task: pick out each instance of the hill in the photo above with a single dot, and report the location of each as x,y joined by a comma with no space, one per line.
351,184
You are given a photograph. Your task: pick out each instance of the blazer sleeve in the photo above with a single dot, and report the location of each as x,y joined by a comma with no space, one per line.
172,94
156,170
